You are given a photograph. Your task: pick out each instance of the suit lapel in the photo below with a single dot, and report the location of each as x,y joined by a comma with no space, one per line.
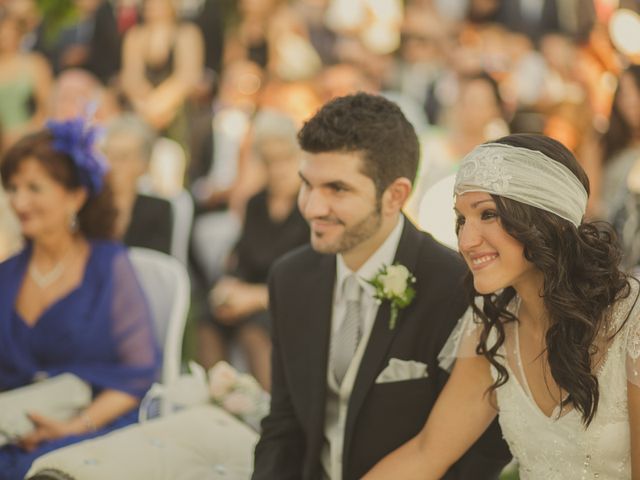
317,306
376,353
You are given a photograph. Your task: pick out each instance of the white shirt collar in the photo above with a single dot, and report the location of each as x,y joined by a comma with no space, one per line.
383,256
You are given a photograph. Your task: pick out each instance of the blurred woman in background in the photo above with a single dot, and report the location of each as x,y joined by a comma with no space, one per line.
621,143
272,227
143,220
163,60
24,78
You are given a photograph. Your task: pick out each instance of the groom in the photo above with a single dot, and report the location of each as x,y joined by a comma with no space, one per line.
351,382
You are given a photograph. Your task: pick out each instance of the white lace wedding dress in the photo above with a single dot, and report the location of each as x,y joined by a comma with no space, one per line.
559,447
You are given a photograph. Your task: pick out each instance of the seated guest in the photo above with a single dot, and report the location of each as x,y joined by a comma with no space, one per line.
220,169
142,220
272,227
77,92
88,40
162,62
25,82
70,300
620,144
10,238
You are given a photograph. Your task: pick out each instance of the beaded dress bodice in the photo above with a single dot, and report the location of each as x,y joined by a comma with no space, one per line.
559,447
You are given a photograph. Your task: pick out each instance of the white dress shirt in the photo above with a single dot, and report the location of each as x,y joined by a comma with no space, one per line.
338,395
382,257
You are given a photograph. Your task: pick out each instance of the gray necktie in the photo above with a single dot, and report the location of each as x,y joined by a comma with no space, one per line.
350,331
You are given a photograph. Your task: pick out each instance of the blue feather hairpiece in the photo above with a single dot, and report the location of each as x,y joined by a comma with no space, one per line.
77,139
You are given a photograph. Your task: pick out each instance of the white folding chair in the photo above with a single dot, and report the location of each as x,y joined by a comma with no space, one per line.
166,284
167,167
182,207
165,179
436,214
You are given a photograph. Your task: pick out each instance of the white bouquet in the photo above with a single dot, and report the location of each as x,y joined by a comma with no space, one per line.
238,393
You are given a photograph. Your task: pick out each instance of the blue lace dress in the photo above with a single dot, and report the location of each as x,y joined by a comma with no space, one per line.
101,331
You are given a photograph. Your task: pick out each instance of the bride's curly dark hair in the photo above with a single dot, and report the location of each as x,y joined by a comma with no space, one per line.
582,279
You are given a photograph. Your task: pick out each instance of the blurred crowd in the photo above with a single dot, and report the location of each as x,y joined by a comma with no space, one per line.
201,100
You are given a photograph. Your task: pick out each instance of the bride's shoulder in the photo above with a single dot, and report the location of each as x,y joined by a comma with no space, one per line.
626,311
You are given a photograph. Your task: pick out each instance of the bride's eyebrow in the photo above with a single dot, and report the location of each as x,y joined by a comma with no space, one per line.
475,204
480,202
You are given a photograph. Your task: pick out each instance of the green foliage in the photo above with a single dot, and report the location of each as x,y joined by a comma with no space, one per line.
510,472
406,299
56,14
512,475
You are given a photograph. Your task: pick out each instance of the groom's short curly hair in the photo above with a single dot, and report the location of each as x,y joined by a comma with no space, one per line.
370,125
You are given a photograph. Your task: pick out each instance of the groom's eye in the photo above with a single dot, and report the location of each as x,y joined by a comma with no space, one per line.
338,187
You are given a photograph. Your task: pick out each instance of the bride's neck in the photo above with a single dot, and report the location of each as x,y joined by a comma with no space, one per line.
532,310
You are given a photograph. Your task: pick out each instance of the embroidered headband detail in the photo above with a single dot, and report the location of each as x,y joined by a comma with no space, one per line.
526,176
77,139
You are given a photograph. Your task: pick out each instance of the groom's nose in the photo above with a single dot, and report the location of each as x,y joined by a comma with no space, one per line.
314,204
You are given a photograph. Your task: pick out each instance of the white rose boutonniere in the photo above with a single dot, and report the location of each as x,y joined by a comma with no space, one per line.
393,283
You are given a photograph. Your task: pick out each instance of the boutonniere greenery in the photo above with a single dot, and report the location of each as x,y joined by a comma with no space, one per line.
393,283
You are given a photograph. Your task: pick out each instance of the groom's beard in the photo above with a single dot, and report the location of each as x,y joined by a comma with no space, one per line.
352,236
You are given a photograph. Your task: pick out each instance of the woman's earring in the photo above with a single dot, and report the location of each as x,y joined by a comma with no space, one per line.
73,222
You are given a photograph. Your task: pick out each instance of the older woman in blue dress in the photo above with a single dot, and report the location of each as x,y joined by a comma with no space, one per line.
70,301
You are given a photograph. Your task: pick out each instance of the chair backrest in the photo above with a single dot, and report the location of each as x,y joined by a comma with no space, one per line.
164,179
167,167
166,283
182,207
436,214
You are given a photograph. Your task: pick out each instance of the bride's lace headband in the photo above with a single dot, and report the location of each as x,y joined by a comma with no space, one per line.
526,176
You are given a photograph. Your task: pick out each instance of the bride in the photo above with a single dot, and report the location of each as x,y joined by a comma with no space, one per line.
552,343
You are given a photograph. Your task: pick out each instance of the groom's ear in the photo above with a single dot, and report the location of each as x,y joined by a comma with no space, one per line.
396,195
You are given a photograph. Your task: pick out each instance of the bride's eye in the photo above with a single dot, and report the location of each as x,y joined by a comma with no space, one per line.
459,222
489,214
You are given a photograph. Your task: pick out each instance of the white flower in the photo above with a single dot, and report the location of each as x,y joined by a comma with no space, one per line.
393,284
396,279
247,383
222,378
239,403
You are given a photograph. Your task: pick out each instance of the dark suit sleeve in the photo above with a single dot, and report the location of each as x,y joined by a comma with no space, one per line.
279,453
488,456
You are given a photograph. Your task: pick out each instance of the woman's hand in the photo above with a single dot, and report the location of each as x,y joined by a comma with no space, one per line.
106,407
48,429
232,299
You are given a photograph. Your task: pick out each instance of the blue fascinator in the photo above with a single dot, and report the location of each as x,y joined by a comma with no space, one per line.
77,139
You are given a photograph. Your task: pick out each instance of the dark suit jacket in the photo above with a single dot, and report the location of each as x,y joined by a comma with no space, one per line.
380,417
